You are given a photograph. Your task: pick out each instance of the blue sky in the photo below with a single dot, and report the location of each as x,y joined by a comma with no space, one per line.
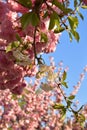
74,55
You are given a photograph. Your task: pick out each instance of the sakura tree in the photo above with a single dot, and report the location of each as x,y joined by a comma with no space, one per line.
28,29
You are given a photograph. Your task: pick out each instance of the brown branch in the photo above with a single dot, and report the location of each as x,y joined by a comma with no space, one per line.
34,46
61,91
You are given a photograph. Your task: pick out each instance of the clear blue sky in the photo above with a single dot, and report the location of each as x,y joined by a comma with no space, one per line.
74,55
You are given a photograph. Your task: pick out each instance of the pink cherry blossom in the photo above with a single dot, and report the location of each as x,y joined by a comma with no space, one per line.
85,2
30,105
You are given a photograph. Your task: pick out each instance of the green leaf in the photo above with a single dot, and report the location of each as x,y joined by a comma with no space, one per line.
15,44
45,14
64,75
84,7
44,38
64,84
24,47
80,118
71,97
9,128
67,10
52,23
34,19
26,20
58,106
58,30
81,16
76,35
14,97
18,38
12,45
8,48
26,3
62,109
63,115
58,4
69,103
54,20
73,21
75,3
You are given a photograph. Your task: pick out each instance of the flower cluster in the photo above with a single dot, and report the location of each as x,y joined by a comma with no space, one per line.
33,111
28,29
16,64
35,108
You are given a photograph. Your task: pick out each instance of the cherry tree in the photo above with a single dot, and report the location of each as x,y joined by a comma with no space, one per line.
28,29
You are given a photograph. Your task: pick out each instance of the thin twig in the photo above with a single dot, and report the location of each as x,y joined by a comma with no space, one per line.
61,91
34,46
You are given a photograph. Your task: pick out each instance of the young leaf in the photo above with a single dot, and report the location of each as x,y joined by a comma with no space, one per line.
58,30
54,20
73,21
84,7
63,113
64,75
26,19
81,16
18,38
64,84
44,38
69,103
34,19
15,44
63,116
75,3
71,97
8,48
9,128
80,118
46,87
76,35
14,97
58,4
12,45
58,106
45,14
